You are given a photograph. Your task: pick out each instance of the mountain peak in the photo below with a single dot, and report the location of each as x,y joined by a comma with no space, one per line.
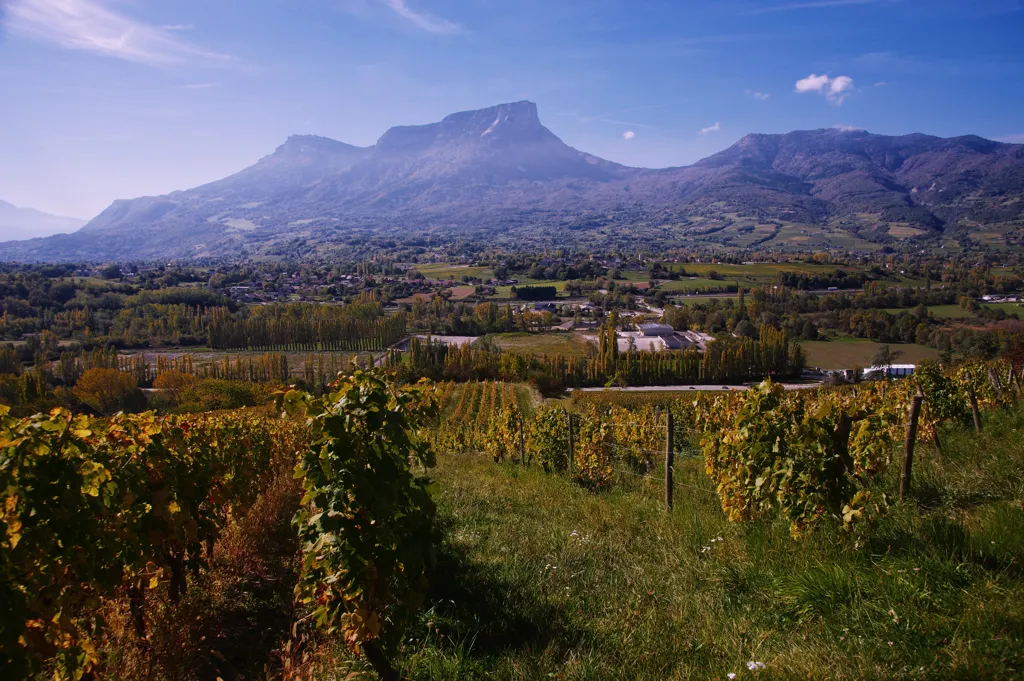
513,122
304,144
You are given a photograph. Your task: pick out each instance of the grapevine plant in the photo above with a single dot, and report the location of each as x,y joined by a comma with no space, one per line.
367,523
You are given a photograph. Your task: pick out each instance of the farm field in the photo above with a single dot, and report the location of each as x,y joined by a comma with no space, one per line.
1008,308
957,312
850,353
543,343
445,271
506,291
938,311
462,292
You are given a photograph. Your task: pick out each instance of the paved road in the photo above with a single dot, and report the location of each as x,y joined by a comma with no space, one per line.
704,388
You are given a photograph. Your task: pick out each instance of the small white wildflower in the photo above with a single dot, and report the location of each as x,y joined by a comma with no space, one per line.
731,675
890,644
755,666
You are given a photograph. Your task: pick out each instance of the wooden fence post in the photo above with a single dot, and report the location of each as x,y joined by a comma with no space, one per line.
994,377
669,459
935,429
908,449
572,443
522,446
974,407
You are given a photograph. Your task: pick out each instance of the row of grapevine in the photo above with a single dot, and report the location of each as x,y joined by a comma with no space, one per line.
367,525
488,417
465,423
807,454
811,455
92,506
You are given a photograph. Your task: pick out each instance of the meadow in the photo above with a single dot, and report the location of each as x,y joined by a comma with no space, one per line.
543,343
848,353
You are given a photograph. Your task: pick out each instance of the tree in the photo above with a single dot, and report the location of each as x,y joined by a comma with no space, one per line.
884,358
109,391
111,271
173,384
745,329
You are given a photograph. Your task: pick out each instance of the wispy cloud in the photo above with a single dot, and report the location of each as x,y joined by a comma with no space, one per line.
835,90
198,86
423,20
847,128
89,26
616,117
711,128
628,135
1016,138
177,27
761,96
811,4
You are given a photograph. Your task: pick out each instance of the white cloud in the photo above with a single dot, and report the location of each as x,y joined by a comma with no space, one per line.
881,83
711,128
89,26
812,83
177,27
1017,138
761,96
847,128
198,86
425,21
628,135
811,4
835,90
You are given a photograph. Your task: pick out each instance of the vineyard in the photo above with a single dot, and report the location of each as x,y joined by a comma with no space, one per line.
807,455
130,508
96,507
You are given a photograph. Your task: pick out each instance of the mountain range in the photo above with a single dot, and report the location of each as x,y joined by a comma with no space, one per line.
498,173
28,223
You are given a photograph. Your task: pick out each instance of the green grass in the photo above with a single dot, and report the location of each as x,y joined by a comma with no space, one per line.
937,311
506,291
543,343
446,271
1008,308
957,312
541,579
847,353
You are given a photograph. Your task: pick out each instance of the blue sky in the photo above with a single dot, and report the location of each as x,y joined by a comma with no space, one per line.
107,99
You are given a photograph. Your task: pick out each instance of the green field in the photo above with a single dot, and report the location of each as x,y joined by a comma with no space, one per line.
937,311
445,271
543,343
851,353
506,291
957,312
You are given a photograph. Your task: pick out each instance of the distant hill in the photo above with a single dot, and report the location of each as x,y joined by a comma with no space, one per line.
498,172
28,223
